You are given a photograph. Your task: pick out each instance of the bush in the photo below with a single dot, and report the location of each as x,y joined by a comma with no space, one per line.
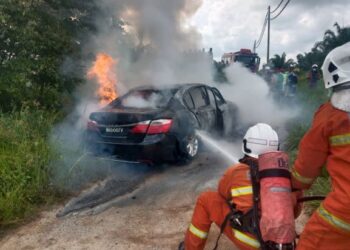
296,132
24,159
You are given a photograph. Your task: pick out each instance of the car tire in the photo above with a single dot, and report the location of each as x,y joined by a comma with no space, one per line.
189,149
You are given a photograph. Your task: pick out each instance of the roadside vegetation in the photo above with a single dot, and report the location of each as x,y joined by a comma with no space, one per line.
24,163
40,67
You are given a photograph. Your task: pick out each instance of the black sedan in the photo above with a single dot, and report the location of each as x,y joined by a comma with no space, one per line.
150,124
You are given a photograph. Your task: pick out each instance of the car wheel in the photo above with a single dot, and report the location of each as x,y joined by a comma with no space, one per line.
192,147
189,149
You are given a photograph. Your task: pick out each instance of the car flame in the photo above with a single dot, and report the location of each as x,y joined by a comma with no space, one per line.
103,70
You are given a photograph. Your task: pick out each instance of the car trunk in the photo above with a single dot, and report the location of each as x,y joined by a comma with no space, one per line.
115,125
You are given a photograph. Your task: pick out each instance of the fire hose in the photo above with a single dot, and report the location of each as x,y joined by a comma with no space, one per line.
311,198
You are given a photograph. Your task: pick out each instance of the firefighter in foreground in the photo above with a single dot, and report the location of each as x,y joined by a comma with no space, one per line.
234,190
328,143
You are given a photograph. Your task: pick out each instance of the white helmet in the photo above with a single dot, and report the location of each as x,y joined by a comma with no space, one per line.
259,139
314,66
336,66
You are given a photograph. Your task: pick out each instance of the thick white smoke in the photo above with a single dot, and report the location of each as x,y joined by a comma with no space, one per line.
255,103
252,94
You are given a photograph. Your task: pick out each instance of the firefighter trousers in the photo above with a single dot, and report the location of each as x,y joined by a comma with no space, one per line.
320,235
211,207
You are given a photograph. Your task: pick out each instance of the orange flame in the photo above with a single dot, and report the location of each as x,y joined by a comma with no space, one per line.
103,71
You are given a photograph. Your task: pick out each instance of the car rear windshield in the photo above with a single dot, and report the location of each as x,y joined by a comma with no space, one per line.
145,99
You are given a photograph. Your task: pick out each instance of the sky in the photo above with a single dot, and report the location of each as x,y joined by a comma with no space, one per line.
228,25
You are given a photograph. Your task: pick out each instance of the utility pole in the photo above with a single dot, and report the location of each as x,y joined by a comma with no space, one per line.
268,34
254,47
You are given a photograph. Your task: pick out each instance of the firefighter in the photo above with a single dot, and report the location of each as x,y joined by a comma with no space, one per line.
328,143
234,192
292,82
313,76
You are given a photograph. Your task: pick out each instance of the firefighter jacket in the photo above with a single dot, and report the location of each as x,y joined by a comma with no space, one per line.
327,143
236,186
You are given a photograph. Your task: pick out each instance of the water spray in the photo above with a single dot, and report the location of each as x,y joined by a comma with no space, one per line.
214,145
76,163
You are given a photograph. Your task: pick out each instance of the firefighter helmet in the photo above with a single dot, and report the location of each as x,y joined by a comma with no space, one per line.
336,66
259,139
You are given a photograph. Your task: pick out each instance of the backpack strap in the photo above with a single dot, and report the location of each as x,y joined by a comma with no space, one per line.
222,227
254,171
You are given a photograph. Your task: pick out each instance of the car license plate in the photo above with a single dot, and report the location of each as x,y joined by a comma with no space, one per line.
115,130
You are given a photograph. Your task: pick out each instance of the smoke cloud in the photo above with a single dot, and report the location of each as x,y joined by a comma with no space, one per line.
153,42
255,102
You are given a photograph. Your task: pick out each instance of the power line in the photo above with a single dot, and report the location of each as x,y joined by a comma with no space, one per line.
277,7
267,22
261,35
262,32
273,18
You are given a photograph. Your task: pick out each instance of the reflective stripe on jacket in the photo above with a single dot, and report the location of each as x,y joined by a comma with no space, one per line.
235,192
197,232
340,140
246,239
236,186
333,220
300,178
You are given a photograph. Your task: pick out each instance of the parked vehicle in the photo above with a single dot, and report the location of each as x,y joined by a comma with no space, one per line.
150,124
246,57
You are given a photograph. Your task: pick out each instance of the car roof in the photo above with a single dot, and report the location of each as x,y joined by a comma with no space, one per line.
176,86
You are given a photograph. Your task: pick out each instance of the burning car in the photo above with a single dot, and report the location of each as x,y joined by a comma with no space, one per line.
150,124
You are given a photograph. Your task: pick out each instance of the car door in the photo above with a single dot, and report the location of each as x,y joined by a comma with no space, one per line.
216,114
220,101
227,113
204,112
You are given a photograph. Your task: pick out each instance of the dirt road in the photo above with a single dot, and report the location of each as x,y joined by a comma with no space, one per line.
152,214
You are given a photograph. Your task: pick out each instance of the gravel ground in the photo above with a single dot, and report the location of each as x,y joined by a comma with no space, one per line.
154,215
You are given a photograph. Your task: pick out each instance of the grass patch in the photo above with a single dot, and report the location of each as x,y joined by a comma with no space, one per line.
24,163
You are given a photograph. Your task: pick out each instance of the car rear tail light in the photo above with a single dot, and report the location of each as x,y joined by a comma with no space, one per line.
92,125
141,127
160,126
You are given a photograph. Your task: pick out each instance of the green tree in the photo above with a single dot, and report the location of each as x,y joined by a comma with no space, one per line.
36,38
331,40
280,62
